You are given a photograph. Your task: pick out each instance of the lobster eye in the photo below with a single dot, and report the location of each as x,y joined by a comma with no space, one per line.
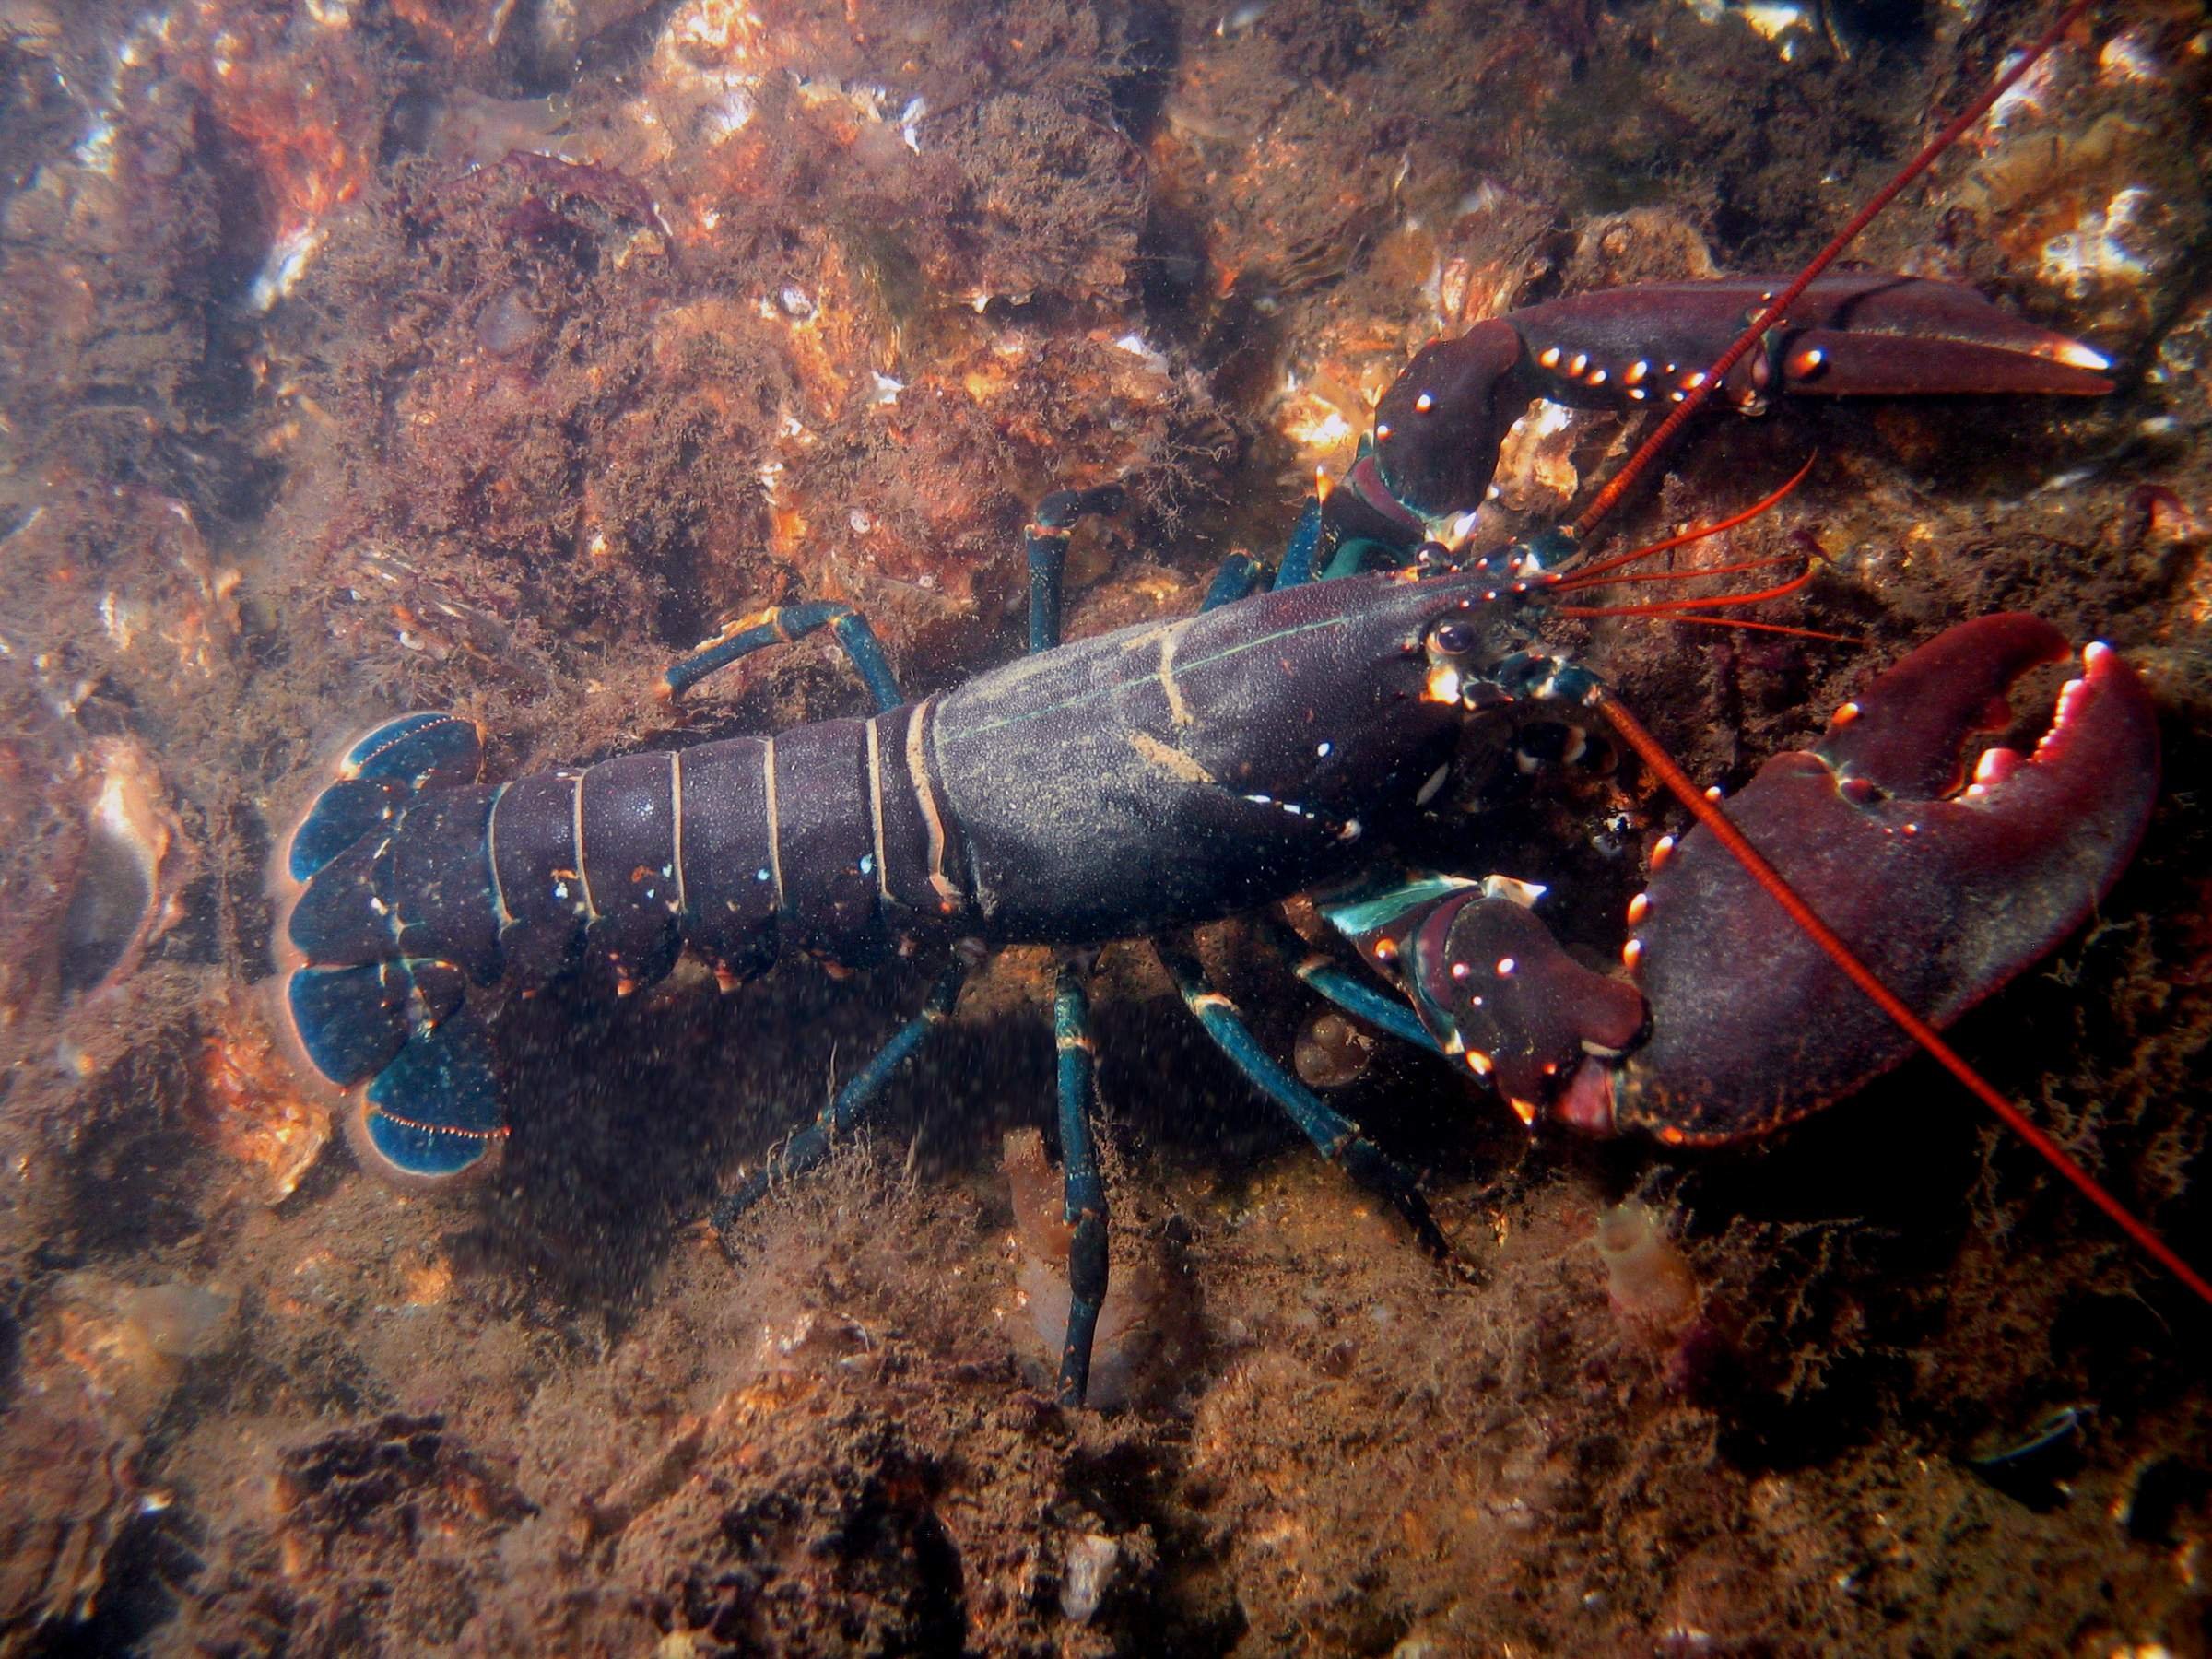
1452,638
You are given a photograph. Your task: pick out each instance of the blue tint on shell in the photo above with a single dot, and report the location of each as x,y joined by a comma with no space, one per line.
342,814
420,750
434,1112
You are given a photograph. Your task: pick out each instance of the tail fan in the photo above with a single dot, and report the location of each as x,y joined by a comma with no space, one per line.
384,895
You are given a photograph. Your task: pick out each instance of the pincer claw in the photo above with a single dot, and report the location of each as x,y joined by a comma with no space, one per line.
1945,887
1490,985
1440,425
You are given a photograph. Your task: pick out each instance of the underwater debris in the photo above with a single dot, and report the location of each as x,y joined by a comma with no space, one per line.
126,891
1332,1053
1132,1330
2035,1467
1651,1282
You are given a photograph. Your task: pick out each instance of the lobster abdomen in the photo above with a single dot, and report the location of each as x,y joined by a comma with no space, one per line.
413,880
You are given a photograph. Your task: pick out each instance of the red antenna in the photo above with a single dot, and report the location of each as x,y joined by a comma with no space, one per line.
1663,434
1706,813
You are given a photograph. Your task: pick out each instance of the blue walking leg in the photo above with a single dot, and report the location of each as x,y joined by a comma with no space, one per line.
781,624
1354,996
1297,567
1046,538
1237,579
812,1144
1338,1137
1082,1191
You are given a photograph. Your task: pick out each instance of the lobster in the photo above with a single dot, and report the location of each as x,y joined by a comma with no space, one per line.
1171,773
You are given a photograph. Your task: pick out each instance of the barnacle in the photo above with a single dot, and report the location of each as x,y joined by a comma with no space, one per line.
2104,210
95,1368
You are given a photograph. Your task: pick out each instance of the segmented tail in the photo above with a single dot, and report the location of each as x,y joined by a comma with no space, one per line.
374,993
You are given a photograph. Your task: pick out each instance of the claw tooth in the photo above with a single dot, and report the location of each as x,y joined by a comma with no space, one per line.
1631,954
1996,766
1639,908
2076,354
1662,849
1844,717
2094,652
2070,695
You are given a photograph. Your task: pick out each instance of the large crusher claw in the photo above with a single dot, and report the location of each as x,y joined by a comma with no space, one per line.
1947,886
